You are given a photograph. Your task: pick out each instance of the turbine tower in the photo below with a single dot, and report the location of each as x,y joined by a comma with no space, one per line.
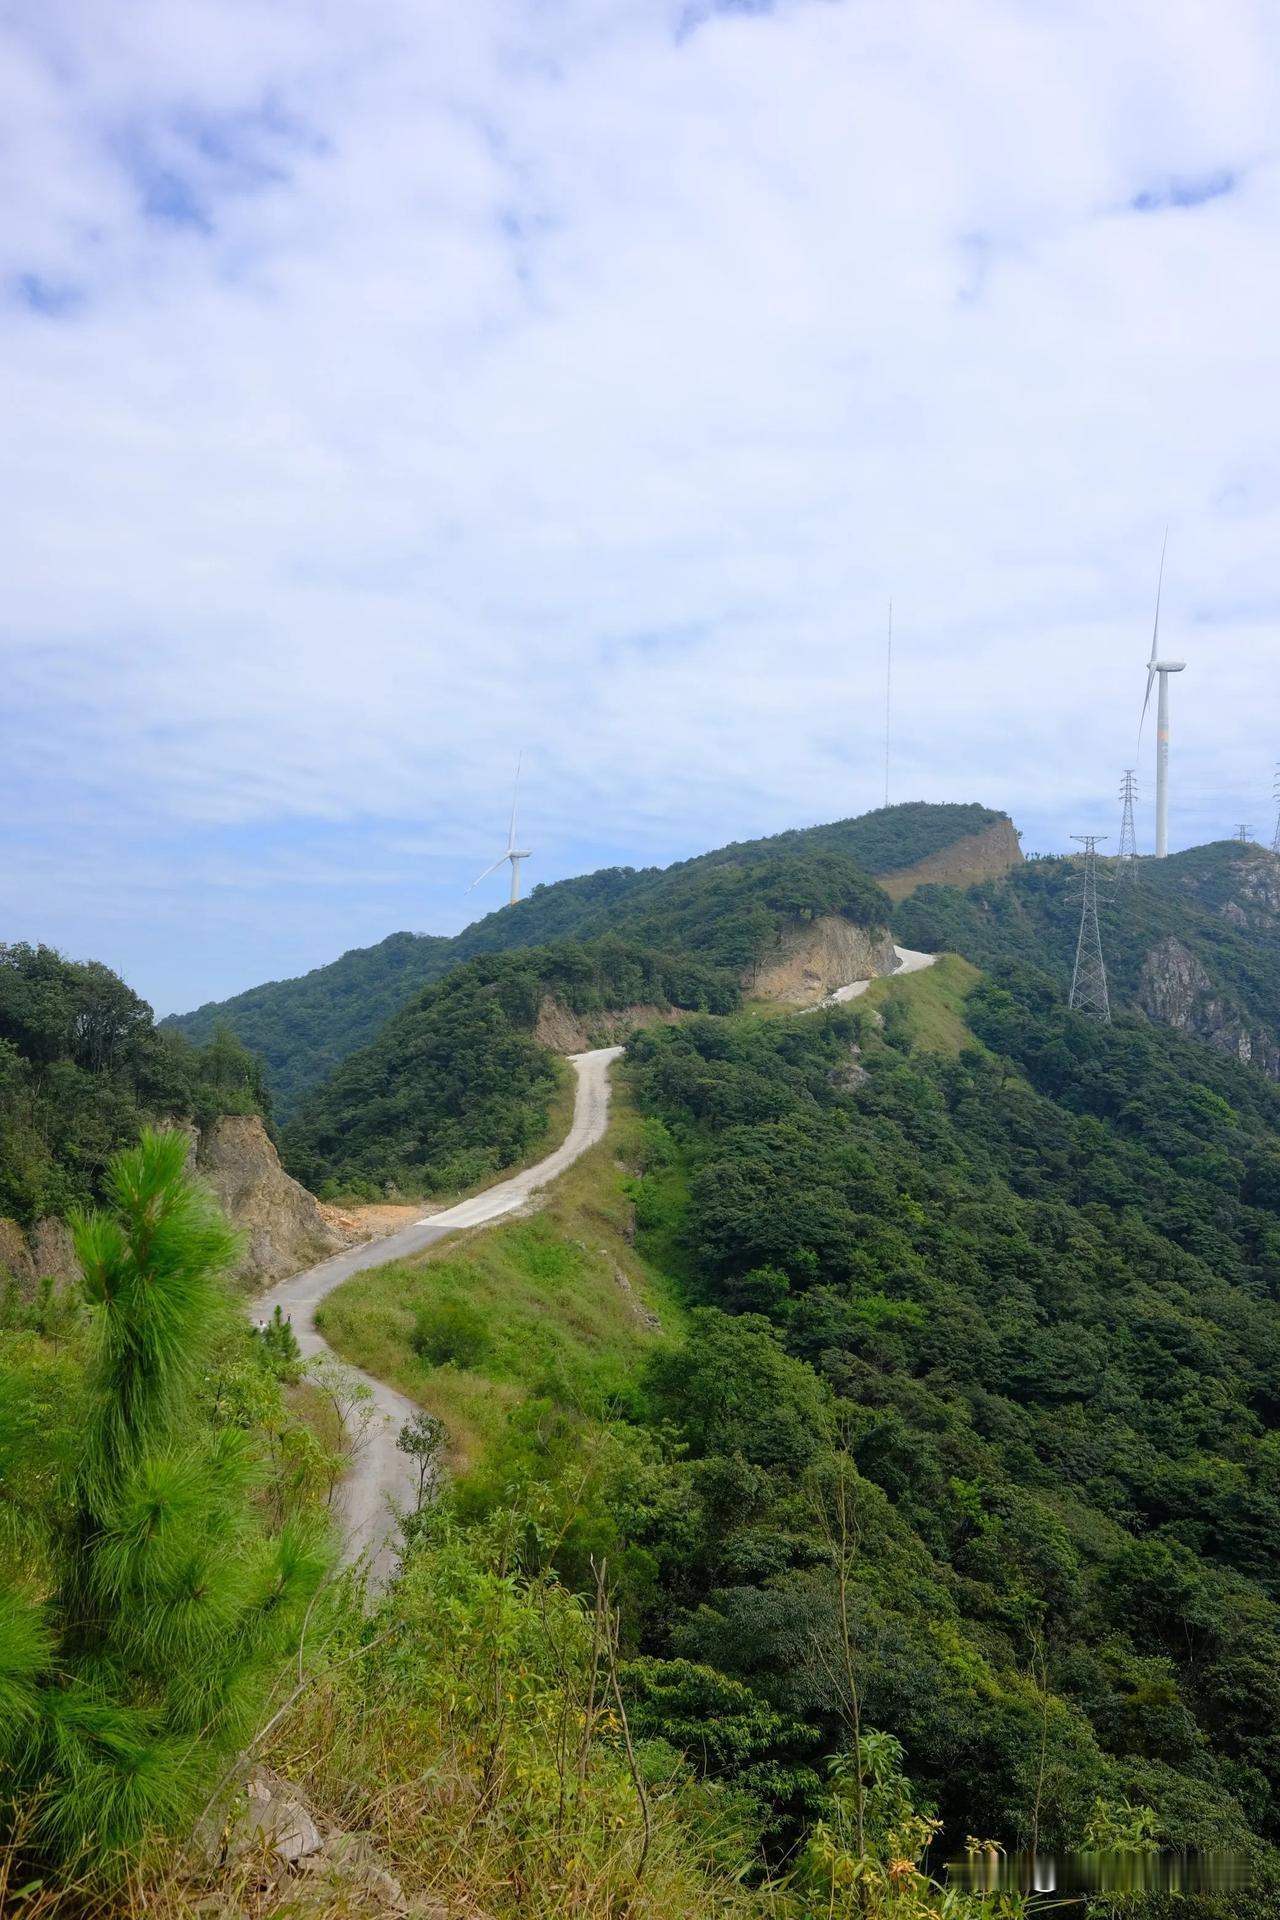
1164,668
1089,979
513,853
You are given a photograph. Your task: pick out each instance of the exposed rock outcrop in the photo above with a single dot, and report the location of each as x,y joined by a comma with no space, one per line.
1174,988
54,1252
278,1851
45,1254
978,856
15,1254
285,1227
813,957
566,1032
1256,890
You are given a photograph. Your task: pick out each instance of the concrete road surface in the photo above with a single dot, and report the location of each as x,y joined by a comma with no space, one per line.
380,1473
909,961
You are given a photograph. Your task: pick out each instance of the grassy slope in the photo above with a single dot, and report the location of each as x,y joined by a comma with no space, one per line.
559,1320
932,1001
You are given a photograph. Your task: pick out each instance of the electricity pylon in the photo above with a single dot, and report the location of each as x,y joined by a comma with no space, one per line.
1089,980
1275,794
1244,834
1128,832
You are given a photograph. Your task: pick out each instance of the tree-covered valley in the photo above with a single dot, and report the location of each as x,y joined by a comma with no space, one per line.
866,1450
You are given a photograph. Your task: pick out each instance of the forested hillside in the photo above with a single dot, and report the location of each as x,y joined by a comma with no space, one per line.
83,1067
303,1028
1032,1292
961,1438
456,1086
1192,941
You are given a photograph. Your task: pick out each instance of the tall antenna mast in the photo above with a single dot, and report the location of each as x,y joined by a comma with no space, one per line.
1128,833
888,702
1089,979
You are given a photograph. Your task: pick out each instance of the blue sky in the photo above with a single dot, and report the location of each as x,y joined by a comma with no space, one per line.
388,388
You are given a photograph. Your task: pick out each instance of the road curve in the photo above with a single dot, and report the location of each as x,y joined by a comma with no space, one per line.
380,1473
909,961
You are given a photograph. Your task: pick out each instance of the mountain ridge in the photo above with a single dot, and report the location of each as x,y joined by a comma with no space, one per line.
304,1027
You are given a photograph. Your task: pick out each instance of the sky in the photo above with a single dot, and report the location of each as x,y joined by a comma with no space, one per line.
390,389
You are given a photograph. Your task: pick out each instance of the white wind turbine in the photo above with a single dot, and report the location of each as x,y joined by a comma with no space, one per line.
1164,668
513,853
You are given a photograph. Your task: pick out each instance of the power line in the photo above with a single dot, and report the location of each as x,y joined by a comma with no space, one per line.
888,703
1128,832
1089,978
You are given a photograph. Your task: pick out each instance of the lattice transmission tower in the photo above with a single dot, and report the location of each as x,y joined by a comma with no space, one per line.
1089,980
1275,794
1128,851
1244,834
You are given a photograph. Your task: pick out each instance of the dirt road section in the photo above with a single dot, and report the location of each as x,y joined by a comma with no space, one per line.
380,1473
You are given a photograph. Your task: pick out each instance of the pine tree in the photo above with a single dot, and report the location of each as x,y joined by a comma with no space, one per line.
123,1689
280,1346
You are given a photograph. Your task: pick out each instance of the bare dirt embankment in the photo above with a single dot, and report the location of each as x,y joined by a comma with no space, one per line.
813,958
979,856
566,1032
283,1225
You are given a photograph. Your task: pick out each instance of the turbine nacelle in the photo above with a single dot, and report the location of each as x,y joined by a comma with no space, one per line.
1168,666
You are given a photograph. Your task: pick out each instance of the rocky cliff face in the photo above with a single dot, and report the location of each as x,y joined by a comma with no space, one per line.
814,957
1255,891
979,856
283,1223
1175,988
45,1254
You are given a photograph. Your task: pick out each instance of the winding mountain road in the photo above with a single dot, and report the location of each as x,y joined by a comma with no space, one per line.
380,1474
909,961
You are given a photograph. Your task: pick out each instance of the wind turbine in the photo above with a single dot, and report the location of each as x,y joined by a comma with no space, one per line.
1164,668
513,853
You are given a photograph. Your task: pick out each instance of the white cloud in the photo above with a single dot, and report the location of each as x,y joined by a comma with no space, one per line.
387,386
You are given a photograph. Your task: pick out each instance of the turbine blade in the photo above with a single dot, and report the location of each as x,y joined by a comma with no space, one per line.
501,861
515,795
1155,632
1155,638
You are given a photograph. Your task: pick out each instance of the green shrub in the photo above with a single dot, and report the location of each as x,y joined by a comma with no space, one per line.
450,1333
